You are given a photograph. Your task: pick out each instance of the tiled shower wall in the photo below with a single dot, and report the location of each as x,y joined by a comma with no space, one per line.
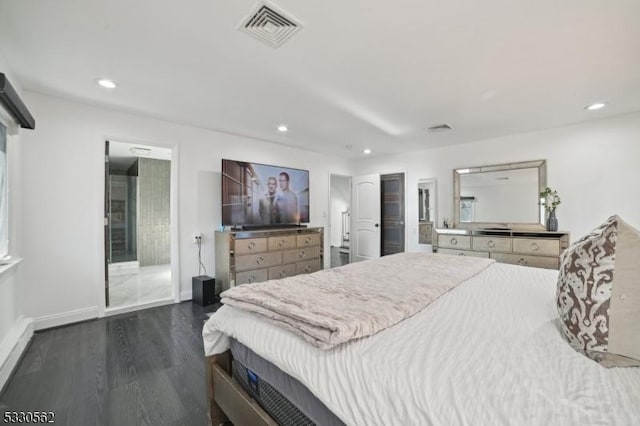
154,179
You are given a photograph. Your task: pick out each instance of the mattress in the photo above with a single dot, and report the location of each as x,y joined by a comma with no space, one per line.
488,352
282,396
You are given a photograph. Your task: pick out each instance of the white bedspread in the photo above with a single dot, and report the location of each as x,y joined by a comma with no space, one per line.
334,306
488,352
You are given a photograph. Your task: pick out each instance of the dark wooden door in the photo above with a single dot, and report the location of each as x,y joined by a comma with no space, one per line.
392,213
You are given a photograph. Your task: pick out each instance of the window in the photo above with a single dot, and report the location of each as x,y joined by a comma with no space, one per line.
467,209
4,198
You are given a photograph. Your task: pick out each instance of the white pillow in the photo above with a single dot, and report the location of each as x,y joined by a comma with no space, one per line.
599,294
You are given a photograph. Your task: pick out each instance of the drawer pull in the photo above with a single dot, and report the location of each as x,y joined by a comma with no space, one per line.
454,241
307,240
535,247
260,260
302,254
491,244
251,245
307,268
283,273
522,262
251,279
461,254
281,243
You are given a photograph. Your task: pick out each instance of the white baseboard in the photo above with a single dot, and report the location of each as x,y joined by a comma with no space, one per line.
64,318
12,347
131,308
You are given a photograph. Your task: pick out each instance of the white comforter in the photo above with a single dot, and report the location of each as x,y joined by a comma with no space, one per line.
334,306
488,352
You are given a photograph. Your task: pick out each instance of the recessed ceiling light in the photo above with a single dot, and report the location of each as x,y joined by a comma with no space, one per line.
367,151
282,128
109,84
595,106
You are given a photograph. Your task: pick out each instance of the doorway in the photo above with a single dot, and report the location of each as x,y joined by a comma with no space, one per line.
137,225
378,215
340,220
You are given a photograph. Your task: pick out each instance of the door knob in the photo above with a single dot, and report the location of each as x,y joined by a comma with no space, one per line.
376,225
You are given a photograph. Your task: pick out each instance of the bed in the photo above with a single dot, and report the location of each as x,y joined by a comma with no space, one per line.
487,351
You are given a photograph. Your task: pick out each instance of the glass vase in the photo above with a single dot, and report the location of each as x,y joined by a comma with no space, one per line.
552,221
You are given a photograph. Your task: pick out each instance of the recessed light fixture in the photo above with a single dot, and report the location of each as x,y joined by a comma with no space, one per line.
106,83
367,151
282,128
595,106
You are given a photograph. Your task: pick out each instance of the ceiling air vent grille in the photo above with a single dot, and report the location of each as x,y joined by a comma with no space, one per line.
270,25
439,128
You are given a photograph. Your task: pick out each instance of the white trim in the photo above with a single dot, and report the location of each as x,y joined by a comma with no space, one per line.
64,318
174,212
13,346
130,308
6,267
175,223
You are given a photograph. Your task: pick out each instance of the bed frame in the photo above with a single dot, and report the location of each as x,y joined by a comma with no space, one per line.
227,400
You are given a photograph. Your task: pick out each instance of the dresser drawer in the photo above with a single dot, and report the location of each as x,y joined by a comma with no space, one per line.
250,245
538,247
282,271
282,243
308,240
292,256
252,276
308,267
547,262
464,252
491,244
256,261
460,242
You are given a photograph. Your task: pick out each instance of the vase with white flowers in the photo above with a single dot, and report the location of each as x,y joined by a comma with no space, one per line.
551,201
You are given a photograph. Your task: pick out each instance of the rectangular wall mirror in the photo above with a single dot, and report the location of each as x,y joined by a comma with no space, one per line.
426,210
501,195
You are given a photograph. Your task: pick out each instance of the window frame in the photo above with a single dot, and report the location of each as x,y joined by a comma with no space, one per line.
4,190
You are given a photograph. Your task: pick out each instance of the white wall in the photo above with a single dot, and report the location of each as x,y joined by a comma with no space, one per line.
63,201
340,202
593,166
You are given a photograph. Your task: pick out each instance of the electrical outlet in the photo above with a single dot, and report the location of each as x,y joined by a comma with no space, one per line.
197,237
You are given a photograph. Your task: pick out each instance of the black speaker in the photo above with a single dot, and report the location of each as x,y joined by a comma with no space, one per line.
203,290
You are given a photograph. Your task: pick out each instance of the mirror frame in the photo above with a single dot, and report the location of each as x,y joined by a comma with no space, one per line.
541,165
434,218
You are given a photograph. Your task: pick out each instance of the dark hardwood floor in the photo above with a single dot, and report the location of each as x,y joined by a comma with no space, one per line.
142,368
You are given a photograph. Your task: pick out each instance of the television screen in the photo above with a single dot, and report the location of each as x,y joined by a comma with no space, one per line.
260,194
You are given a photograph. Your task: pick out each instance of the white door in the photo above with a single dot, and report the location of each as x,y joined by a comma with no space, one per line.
365,232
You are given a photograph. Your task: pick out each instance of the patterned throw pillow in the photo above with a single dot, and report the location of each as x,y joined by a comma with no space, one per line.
599,294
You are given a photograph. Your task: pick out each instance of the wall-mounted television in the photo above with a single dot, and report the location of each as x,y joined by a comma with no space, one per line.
262,194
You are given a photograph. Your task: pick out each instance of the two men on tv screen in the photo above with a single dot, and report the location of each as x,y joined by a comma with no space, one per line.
279,207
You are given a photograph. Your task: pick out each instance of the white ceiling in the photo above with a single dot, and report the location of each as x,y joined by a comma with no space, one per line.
361,73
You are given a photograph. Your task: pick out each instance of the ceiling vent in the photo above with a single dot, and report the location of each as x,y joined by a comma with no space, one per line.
269,24
439,128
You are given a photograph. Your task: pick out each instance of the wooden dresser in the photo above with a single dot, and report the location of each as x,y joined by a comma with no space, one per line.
539,249
252,256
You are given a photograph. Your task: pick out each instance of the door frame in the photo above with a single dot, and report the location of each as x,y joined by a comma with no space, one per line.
174,227
329,222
